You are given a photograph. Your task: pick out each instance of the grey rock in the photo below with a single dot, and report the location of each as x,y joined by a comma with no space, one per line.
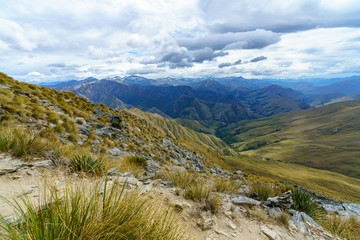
352,209
127,174
166,142
213,171
115,151
151,168
168,183
238,172
284,201
96,141
270,234
45,164
206,223
45,102
305,224
242,200
83,130
274,212
113,172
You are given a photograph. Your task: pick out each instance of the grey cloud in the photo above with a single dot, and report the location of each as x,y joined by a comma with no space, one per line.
206,54
242,16
244,40
258,59
58,65
238,62
222,65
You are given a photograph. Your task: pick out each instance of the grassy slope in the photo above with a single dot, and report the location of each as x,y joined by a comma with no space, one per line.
174,130
322,182
326,137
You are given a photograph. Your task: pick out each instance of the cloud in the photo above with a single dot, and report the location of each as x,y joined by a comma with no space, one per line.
243,40
258,59
78,39
222,65
237,62
58,65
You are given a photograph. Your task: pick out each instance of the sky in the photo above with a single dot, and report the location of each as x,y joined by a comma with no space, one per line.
46,40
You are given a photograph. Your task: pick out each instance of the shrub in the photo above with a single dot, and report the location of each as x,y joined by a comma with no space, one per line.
304,202
80,212
264,190
137,160
88,164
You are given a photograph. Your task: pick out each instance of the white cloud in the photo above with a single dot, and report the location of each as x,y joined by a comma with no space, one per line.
74,39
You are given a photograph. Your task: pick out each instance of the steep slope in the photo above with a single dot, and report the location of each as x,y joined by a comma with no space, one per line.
326,137
274,99
174,101
174,130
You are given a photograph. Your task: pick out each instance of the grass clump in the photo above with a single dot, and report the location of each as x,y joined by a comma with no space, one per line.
197,191
344,227
88,164
80,212
304,202
22,144
226,185
181,179
137,160
264,190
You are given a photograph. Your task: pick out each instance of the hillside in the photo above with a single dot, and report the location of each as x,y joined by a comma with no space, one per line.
325,137
172,129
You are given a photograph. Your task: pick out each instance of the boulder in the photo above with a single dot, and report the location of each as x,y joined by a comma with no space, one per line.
284,201
270,234
242,200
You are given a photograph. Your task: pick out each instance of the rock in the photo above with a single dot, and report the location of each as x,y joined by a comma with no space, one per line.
45,164
45,102
269,233
305,224
168,183
284,201
166,142
96,141
213,171
254,195
177,169
113,172
83,130
131,182
206,223
222,233
127,174
238,172
151,168
181,205
227,206
114,151
274,212
80,120
242,200
352,209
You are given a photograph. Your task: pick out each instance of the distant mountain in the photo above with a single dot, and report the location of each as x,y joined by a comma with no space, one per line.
174,101
210,85
274,99
340,91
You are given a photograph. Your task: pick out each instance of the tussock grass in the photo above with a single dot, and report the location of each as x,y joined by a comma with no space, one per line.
344,227
226,185
88,164
81,212
181,179
264,190
22,144
137,160
257,213
304,202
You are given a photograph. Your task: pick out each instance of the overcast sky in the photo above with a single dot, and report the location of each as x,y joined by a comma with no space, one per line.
46,40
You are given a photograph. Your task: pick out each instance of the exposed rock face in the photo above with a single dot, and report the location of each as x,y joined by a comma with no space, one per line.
284,201
242,200
305,224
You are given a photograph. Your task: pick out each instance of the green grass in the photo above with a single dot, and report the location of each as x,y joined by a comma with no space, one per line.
20,143
80,212
304,202
264,190
88,164
325,137
137,160
344,227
